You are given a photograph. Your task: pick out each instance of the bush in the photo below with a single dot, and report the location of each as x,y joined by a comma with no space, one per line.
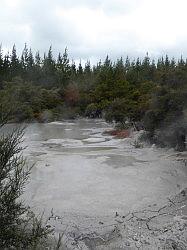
19,227
92,111
165,119
28,102
121,111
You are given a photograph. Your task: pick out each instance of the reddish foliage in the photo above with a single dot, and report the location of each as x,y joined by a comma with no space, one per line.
125,133
71,95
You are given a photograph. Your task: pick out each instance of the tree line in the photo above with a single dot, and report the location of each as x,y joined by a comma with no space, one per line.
150,94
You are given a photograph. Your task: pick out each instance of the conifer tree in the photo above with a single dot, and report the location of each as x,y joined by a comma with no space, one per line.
1,64
49,63
107,62
14,63
167,62
127,64
38,59
6,67
63,68
30,59
80,69
49,69
87,68
24,58
73,70
181,62
120,70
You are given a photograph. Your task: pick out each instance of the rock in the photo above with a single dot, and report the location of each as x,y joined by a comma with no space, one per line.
116,214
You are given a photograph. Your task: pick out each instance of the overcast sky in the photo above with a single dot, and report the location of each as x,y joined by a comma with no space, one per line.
93,28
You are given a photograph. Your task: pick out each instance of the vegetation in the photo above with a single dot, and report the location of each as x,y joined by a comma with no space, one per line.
19,227
149,94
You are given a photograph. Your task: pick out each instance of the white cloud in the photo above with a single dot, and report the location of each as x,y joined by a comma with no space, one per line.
92,29
12,3
160,23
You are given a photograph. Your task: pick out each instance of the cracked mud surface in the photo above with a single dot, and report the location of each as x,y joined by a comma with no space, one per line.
155,227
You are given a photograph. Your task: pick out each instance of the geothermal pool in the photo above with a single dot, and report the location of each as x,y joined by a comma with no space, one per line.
80,171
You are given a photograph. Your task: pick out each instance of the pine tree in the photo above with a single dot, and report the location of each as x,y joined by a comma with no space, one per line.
63,68
107,62
181,62
87,68
14,63
49,63
38,59
146,61
127,64
59,61
146,68
120,73
167,62
30,59
173,63
1,64
24,58
6,67
73,70
138,68
152,70
49,69
80,69
65,60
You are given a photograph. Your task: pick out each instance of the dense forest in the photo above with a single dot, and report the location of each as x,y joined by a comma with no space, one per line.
148,94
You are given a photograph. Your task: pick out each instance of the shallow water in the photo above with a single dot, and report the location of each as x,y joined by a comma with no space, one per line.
78,170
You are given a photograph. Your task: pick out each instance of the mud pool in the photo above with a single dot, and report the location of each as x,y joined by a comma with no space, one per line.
79,171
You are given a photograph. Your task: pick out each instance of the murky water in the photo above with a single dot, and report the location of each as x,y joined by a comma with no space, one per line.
78,170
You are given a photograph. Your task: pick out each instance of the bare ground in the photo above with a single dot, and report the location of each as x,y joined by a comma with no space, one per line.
155,227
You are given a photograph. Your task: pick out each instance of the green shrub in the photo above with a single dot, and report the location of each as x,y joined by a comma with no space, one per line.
19,227
93,111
